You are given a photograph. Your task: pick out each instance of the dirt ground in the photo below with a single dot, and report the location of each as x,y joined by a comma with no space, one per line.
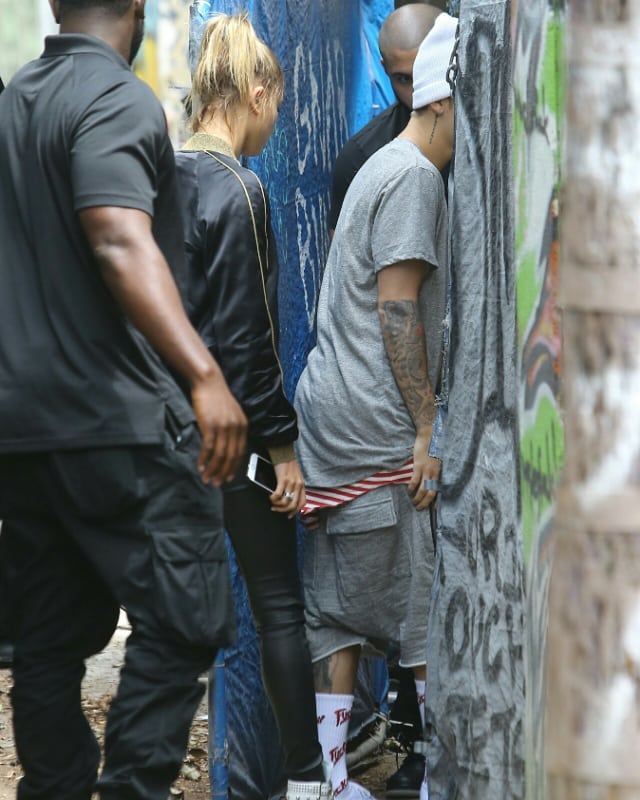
98,687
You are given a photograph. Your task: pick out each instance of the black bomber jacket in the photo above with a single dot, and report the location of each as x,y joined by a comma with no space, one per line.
232,282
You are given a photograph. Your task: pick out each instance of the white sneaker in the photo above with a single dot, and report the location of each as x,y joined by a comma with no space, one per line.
308,790
311,790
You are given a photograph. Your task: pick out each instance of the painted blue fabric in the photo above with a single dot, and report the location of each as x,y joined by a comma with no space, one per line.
334,84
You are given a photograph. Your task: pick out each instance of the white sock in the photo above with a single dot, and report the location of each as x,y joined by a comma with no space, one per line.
420,688
334,713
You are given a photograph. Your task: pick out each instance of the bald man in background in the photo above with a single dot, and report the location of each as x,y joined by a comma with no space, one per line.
399,38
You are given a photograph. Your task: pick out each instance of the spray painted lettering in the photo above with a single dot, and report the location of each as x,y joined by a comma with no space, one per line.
475,676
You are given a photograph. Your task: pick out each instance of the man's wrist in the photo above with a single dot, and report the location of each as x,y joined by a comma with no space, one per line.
203,371
425,430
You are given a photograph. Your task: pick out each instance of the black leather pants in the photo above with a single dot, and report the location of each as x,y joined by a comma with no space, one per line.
265,546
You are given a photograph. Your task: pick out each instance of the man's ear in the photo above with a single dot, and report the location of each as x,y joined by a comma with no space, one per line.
55,10
439,107
138,6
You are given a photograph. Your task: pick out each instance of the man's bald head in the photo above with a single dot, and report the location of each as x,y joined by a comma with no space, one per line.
406,27
401,34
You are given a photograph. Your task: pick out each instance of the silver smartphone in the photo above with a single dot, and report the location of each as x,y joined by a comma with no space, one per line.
261,472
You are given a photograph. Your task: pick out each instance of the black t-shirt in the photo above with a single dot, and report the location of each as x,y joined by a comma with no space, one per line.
363,144
78,130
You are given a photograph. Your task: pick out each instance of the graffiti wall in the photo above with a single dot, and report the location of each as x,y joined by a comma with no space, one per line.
25,24
475,677
23,28
163,60
538,86
20,36
538,27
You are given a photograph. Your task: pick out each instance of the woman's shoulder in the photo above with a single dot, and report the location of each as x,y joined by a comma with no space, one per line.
225,189
210,164
248,177
244,183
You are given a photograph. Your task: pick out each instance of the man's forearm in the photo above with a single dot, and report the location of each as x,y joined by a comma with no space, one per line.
403,335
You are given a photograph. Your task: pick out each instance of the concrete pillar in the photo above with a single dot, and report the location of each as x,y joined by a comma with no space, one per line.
593,700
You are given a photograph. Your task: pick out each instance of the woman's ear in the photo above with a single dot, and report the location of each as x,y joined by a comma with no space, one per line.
257,99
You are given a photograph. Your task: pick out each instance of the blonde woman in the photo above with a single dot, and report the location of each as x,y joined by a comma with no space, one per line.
231,290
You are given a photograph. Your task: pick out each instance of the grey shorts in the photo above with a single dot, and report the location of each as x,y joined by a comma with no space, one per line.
367,576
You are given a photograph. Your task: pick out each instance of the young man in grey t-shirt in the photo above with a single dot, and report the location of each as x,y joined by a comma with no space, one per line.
366,406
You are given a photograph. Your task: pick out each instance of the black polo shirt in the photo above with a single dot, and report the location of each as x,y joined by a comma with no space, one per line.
363,144
78,130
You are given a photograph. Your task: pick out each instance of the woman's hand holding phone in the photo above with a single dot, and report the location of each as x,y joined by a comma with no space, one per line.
289,496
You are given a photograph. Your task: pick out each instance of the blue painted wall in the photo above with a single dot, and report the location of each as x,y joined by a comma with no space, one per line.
334,84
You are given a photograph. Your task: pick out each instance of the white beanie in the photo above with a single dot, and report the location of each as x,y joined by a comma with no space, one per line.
432,62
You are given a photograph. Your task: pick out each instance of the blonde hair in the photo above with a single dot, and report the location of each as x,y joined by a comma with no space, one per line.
232,59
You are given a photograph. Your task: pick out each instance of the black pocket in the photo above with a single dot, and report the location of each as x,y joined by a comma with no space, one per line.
180,432
104,482
191,585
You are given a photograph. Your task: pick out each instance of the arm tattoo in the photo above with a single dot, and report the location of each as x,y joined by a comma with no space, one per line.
403,334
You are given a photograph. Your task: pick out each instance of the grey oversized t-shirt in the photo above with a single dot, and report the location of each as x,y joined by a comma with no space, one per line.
352,418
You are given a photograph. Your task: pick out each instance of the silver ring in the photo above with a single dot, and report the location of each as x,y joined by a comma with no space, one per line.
431,485
289,495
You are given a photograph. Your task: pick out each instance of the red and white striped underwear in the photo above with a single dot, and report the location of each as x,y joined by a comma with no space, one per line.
319,497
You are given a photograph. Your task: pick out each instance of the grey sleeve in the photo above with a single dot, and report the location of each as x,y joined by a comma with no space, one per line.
405,219
116,149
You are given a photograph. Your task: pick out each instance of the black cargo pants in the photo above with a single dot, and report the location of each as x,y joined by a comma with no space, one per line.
85,533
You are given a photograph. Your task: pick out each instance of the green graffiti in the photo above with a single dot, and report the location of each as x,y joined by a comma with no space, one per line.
541,459
537,137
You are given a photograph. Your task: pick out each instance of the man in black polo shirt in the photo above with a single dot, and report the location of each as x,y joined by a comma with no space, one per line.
399,38
103,475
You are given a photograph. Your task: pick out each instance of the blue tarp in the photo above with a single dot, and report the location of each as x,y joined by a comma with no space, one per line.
334,84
